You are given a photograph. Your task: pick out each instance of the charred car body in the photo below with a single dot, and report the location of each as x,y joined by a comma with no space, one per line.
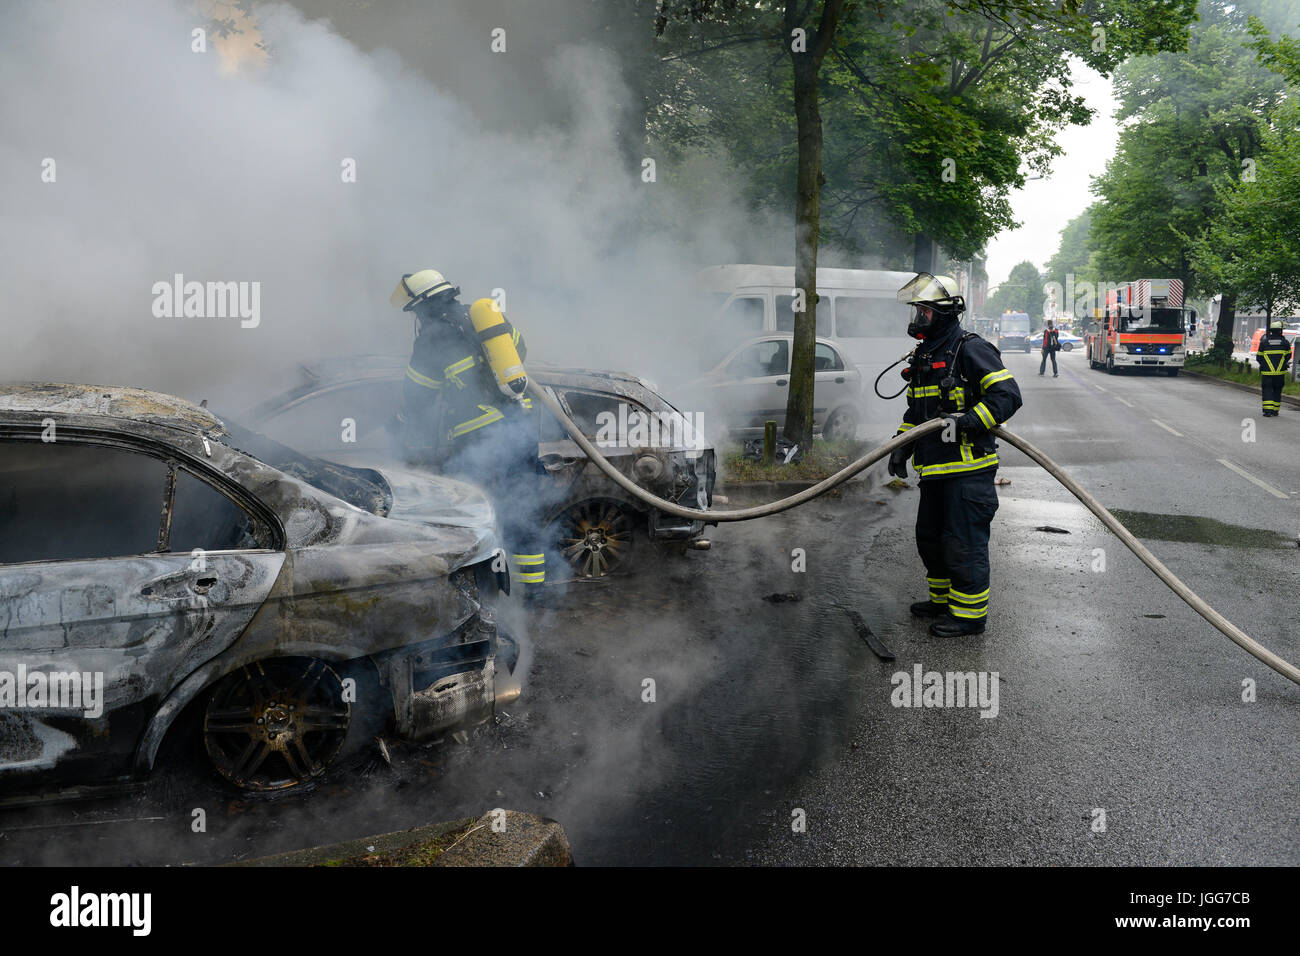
171,559
589,519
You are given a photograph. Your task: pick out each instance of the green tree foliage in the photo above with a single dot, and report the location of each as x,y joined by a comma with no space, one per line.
1073,255
1252,249
1186,127
1022,292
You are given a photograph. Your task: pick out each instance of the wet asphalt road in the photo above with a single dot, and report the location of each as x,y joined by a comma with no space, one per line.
1113,695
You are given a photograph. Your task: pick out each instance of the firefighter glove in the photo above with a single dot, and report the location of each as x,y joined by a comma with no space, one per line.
898,462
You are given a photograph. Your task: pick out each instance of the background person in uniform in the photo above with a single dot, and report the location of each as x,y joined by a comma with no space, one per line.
1051,345
958,376
1274,358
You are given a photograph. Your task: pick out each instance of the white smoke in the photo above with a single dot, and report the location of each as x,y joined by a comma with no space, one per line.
167,162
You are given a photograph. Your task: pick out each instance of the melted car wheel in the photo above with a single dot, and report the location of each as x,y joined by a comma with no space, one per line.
594,537
276,724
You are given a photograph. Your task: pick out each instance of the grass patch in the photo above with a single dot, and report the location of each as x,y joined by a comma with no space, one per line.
820,461
424,853
1244,373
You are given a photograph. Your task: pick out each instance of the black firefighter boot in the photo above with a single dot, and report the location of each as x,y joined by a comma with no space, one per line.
928,609
956,627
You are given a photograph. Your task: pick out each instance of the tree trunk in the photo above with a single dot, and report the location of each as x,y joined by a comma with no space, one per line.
922,254
1222,349
807,222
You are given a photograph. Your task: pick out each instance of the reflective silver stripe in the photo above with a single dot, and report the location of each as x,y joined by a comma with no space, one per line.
992,378
985,415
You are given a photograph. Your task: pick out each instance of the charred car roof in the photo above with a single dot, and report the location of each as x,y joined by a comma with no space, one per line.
109,401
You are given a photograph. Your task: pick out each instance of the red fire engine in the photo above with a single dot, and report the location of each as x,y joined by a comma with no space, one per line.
1144,325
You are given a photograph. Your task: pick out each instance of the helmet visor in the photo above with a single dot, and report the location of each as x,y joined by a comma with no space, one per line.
927,288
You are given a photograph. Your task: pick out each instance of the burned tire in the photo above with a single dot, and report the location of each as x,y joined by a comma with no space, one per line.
276,724
842,423
593,538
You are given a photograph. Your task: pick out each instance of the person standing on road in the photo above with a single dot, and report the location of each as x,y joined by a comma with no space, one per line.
958,376
1274,358
1051,345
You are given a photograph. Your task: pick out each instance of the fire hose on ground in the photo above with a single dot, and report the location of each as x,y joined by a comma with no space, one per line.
1221,623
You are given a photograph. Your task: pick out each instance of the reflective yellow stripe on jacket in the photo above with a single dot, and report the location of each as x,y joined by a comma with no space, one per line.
489,416
957,467
1273,361
420,379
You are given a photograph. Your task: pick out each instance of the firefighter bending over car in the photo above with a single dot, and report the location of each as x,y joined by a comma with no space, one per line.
958,376
464,410
1274,357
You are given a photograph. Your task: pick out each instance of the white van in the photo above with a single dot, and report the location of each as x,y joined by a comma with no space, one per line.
858,310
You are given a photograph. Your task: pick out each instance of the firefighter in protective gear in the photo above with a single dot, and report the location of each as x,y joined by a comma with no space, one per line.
1274,358
957,376
463,408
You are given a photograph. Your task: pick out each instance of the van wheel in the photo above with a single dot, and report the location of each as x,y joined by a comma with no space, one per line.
842,423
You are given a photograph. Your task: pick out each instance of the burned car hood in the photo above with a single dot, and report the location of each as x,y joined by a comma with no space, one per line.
364,505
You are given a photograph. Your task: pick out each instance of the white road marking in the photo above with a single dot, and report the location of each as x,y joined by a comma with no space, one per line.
1251,478
1167,428
1125,401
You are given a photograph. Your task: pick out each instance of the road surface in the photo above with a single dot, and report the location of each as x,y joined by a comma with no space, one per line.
1120,736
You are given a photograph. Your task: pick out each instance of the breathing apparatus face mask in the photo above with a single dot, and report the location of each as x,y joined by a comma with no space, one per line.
935,306
436,308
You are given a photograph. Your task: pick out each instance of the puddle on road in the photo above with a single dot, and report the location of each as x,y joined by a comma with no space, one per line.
1193,529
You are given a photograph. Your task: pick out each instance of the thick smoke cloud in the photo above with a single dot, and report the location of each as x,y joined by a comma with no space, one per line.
166,162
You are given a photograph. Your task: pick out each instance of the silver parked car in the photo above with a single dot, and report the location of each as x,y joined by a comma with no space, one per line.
592,524
180,563
750,386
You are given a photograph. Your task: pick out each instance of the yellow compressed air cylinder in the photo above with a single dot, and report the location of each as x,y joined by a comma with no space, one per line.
499,347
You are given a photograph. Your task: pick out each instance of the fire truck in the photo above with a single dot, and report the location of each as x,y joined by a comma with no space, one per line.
1144,326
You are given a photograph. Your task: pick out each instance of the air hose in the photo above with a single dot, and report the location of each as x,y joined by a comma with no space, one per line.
1221,623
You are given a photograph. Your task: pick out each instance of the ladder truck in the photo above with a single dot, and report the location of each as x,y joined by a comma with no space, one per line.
1143,326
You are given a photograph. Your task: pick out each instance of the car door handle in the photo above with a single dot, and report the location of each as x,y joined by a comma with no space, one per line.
204,585
839,380
781,381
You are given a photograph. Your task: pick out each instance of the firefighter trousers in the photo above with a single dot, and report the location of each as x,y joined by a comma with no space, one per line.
501,458
952,536
1271,386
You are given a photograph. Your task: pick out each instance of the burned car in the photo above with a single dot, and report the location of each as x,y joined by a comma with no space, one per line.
343,410
155,560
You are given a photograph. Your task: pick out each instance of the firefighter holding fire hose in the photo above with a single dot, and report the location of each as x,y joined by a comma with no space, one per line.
463,406
958,376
